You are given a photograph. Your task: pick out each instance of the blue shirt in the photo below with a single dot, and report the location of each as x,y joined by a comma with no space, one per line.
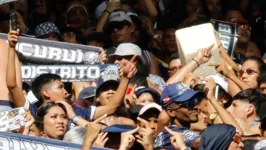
163,138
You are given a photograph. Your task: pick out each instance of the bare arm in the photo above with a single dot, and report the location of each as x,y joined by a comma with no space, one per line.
129,70
203,56
151,9
224,115
111,7
11,80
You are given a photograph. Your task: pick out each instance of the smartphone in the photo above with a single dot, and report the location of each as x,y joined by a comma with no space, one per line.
13,17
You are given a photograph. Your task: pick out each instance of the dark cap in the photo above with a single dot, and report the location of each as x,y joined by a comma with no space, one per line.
177,92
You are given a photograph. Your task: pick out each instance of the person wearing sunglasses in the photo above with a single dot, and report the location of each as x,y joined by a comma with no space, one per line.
220,137
181,105
247,74
245,47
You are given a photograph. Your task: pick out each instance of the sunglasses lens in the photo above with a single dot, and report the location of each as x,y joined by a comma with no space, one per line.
250,71
237,139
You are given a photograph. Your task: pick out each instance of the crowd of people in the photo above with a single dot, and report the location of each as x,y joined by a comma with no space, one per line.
157,102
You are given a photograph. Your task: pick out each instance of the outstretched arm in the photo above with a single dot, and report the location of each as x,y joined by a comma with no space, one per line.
203,56
127,70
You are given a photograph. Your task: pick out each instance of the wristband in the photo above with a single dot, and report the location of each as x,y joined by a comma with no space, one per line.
75,118
128,91
107,11
196,62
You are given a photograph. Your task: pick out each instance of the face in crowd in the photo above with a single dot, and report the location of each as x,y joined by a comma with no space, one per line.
250,73
121,32
52,120
186,112
77,15
55,91
144,99
193,7
174,66
106,93
169,41
243,28
214,8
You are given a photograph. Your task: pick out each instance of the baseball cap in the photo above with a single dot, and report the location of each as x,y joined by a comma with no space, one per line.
163,138
46,28
109,76
119,16
127,49
151,106
177,92
220,81
118,128
87,93
142,89
239,20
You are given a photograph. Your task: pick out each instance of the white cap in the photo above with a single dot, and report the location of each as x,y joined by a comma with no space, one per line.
127,49
100,8
119,16
149,106
220,80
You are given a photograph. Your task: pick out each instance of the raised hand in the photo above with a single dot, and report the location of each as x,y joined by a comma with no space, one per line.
177,139
93,128
69,109
101,140
113,5
127,139
29,119
209,88
145,136
128,68
130,97
103,56
13,37
221,68
204,54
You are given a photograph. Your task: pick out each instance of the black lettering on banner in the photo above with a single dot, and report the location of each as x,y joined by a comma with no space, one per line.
41,51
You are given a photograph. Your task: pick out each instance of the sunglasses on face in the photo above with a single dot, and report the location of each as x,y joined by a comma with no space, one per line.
244,27
189,104
249,71
237,139
116,25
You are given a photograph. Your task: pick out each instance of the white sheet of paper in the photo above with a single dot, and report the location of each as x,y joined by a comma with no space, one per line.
191,39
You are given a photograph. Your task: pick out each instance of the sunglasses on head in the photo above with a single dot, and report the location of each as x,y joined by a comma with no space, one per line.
249,71
237,139
117,25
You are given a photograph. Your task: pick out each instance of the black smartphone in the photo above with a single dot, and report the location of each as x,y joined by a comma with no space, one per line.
13,17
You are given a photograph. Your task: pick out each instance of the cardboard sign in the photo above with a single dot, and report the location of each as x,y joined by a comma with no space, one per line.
191,39
228,34
40,51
